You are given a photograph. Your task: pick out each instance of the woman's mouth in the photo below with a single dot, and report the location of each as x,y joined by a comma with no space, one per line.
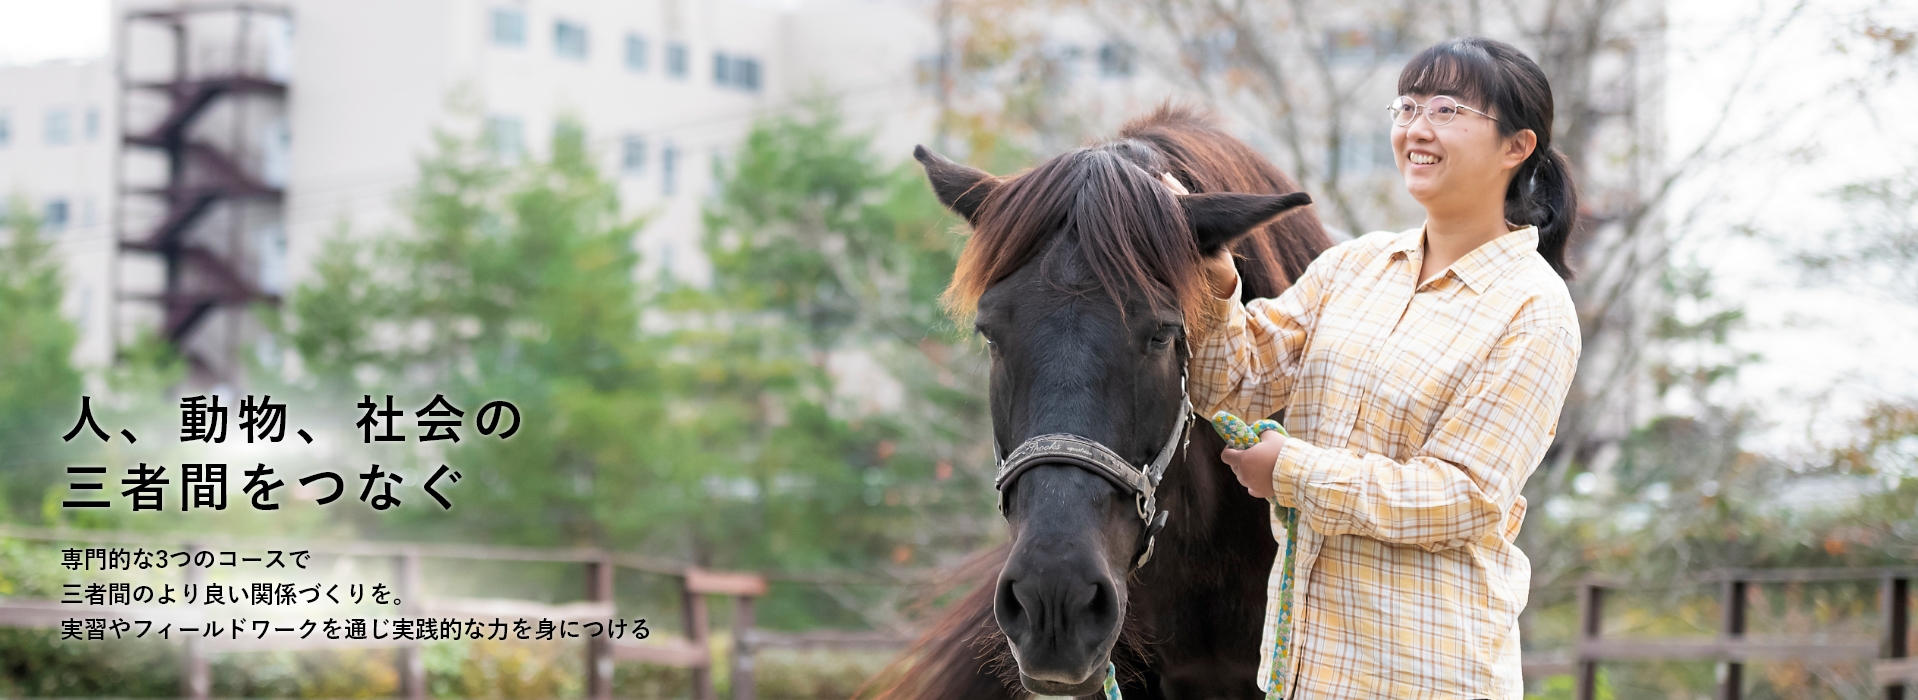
1421,158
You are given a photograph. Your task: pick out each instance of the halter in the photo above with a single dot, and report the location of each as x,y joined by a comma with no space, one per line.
1087,454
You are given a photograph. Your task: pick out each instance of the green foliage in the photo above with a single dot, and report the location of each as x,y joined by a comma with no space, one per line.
698,423
39,388
514,284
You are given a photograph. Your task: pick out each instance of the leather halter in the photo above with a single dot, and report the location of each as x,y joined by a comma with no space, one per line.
1088,454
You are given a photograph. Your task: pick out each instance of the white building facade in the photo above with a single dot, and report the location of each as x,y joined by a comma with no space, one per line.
663,88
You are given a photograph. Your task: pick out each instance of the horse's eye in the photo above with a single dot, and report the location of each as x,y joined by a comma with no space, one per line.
1165,336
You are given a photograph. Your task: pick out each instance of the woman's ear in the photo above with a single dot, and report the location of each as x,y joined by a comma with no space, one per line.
1518,147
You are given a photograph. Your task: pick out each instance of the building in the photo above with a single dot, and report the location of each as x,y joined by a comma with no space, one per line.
323,108
57,136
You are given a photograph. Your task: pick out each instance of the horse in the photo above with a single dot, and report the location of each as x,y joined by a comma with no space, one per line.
1082,274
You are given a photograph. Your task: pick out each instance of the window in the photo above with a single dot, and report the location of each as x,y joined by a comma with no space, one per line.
736,72
504,135
635,53
59,127
668,167
569,40
1362,44
509,27
55,217
1115,60
746,74
93,124
276,152
632,155
676,60
1364,152
270,242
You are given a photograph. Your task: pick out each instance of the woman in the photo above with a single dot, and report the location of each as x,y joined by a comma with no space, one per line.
1422,374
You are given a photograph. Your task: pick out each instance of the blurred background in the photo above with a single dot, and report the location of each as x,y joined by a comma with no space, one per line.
687,241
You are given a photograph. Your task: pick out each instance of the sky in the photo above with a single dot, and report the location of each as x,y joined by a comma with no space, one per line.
32,31
1825,352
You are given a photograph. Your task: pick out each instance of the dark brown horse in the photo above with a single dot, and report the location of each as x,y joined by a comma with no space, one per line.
1082,274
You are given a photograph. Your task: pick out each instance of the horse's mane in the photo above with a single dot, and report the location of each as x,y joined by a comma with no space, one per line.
1207,159
964,656
1130,231
1127,228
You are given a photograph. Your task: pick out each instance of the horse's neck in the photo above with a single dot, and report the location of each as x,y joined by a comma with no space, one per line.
1214,522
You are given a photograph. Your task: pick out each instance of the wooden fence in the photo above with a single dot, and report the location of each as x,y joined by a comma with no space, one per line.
691,650
1889,653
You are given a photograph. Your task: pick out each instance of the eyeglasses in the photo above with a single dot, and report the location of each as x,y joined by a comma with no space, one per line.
1439,110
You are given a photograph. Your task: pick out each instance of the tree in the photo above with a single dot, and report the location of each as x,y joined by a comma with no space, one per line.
705,425
39,388
824,255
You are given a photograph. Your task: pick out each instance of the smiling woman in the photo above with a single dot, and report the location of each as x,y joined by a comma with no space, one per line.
1421,373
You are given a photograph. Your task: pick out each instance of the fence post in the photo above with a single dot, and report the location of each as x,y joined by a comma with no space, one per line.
196,681
412,603
1894,599
599,650
1591,606
1731,682
697,630
743,685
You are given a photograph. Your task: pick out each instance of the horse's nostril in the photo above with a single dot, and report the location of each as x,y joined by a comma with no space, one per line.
1010,611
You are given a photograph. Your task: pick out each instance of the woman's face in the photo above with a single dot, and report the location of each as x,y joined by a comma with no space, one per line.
1462,164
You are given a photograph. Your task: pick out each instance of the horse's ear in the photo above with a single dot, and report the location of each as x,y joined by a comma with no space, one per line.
960,188
1219,218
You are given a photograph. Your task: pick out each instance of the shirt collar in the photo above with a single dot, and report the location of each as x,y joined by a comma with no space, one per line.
1479,268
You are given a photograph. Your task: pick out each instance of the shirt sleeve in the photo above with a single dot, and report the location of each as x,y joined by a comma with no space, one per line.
1468,474
1249,361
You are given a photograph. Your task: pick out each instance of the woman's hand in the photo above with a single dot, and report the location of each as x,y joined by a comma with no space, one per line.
1254,466
1221,276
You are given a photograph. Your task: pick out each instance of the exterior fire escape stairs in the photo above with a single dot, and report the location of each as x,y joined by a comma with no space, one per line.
199,176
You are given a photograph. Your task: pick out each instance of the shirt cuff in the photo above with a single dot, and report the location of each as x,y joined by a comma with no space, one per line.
1288,474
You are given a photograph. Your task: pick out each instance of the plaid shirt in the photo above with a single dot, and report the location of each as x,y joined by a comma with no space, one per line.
1416,416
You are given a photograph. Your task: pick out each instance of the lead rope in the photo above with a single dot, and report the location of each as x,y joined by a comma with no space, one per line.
1240,436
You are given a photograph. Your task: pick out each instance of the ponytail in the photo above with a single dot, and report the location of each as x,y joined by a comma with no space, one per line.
1542,194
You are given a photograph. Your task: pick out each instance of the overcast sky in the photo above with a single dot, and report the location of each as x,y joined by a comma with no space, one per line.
1827,352
40,30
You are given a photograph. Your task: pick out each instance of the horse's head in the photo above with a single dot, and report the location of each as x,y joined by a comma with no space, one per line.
1082,275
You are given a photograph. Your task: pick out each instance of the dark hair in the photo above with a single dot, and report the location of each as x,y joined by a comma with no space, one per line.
1481,71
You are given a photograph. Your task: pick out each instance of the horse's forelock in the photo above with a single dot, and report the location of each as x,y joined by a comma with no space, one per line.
1128,228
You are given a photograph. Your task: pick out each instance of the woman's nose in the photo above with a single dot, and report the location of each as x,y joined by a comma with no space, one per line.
1420,129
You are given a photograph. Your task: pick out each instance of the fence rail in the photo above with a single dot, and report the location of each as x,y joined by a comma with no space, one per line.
1889,652
692,651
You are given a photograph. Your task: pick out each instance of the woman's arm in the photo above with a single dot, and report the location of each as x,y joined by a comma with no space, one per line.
1247,362
1467,475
